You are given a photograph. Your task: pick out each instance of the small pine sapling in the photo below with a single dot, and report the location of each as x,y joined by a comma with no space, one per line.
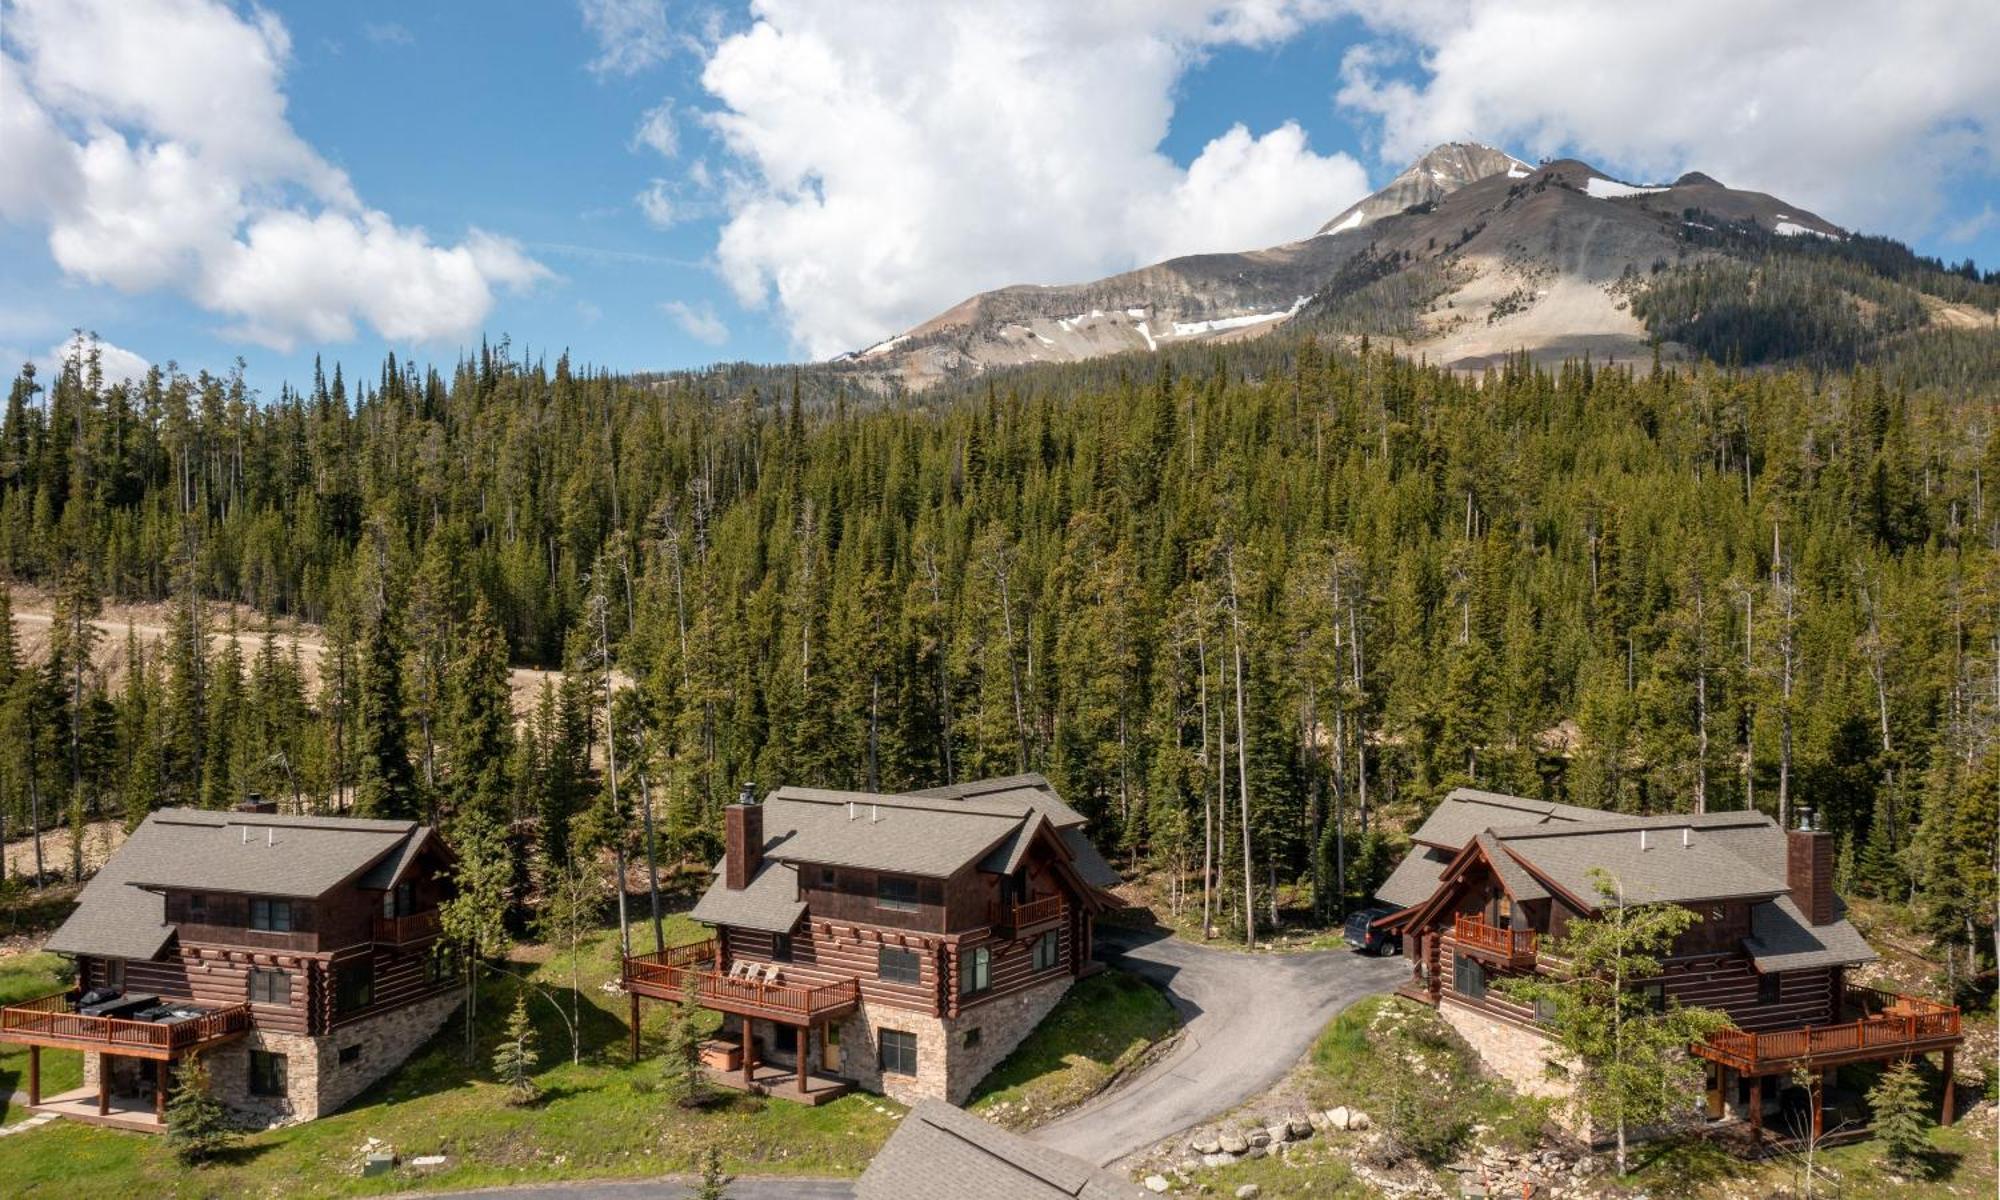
515,1060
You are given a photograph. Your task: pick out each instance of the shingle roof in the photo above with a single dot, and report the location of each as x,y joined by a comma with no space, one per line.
1030,789
1514,877
1466,812
199,850
884,833
1089,864
1782,940
1415,878
1738,855
770,902
940,1151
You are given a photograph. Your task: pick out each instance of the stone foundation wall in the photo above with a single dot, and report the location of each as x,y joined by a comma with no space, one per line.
1518,1055
317,1082
947,1068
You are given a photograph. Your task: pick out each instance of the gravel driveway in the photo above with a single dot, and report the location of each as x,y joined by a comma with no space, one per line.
1247,1019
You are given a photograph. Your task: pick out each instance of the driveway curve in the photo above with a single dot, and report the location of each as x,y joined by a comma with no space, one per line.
1246,1019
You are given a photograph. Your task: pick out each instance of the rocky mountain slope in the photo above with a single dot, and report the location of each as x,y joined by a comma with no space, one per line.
1467,257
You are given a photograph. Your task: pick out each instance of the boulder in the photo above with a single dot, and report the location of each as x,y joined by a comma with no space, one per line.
1258,1137
1233,1142
1337,1117
1317,1118
1358,1120
1300,1128
1218,1160
1156,1183
1204,1143
1249,1191
1256,1152
1279,1132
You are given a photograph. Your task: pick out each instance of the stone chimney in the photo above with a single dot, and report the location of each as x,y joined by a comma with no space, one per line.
744,827
1809,870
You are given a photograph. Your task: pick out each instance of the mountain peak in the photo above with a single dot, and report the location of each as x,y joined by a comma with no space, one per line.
1442,170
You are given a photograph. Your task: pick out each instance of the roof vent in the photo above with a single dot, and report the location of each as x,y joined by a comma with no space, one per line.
270,836
874,814
1642,840
1687,836
245,829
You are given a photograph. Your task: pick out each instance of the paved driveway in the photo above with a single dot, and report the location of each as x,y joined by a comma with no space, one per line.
662,1189
1247,1019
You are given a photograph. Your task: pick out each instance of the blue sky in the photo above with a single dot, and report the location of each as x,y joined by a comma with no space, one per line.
836,173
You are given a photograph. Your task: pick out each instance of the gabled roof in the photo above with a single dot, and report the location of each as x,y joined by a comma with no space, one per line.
770,902
1415,878
122,915
939,1151
1781,939
1031,789
1679,858
1465,812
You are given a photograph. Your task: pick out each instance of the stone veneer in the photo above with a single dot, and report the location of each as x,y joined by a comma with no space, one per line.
947,1069
1520,1056
316,1081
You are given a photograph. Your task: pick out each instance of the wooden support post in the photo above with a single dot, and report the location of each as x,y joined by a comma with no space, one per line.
34,1074
160,1090
1718,1091
1818,1093
1756,1104
1948,1113
805,1042
634,997
749,1054
103,1084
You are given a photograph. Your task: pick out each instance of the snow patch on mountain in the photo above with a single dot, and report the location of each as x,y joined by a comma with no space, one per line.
1611,189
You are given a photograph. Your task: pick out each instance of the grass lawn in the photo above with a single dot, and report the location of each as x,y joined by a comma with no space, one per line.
1099,1029
598,1118
24,977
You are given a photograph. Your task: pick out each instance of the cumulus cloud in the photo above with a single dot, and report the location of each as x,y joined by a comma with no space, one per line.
150,138
1864,114
698,322
632,35
885,165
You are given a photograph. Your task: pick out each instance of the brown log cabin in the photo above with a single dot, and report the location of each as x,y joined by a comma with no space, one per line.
901,943
295,954
1493,882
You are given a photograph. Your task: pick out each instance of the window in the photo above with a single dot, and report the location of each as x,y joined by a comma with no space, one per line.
354,985
826,877
1545,1010
443,965
899,966
197,908
1048,951
1468,977
114,974
1504,910
1656,996
271,987
274,916
899,1052
267,1073
781,947
975,972
787,1041
1767,989
972,1037
399,901
897,893
350,1054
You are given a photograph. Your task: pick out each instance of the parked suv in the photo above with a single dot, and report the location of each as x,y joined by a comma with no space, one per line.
1366,939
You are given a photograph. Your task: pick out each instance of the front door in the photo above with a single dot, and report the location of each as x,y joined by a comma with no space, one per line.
830,1047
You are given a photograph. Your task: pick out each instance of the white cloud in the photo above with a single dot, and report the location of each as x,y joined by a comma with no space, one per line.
1861,113
117,364
657,204
183,172
699,323
886,163
658,131
632,35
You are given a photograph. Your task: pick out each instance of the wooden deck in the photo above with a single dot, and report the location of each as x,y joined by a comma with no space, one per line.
50,1021
1886,1026
769,1079
663,974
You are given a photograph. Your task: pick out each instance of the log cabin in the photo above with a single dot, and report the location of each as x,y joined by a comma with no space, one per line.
294,954
900,943
1493,881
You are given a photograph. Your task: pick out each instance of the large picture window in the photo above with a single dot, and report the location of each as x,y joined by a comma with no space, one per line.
270,987
975,971
899,1052
1468,977
899,966
354,985
898,893
267,1074
274,916
1048,951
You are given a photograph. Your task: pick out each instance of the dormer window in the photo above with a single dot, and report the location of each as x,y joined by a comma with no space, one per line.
271,916
197,908
897,893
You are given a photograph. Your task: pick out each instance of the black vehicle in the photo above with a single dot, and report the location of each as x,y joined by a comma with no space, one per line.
1366,939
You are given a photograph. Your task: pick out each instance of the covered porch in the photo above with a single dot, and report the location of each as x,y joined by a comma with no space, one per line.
93,1107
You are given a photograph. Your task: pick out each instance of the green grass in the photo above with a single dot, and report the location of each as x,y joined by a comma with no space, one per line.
601,1117
24,977
1104,1025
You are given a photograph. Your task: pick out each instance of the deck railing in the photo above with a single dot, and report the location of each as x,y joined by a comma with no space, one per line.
401,931
666,972
1512,945
51,1018
1030,913
1887,1022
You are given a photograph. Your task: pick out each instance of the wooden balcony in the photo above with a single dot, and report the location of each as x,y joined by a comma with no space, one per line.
1883,1025
404,931
51,1021
1502,947
664,974
1017,919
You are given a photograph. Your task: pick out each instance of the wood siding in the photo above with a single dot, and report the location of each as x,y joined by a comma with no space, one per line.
818,958
851,897
1012,968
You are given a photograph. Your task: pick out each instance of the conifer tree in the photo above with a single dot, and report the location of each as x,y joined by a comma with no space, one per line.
198,1126
680,1065
385,786
515,1059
